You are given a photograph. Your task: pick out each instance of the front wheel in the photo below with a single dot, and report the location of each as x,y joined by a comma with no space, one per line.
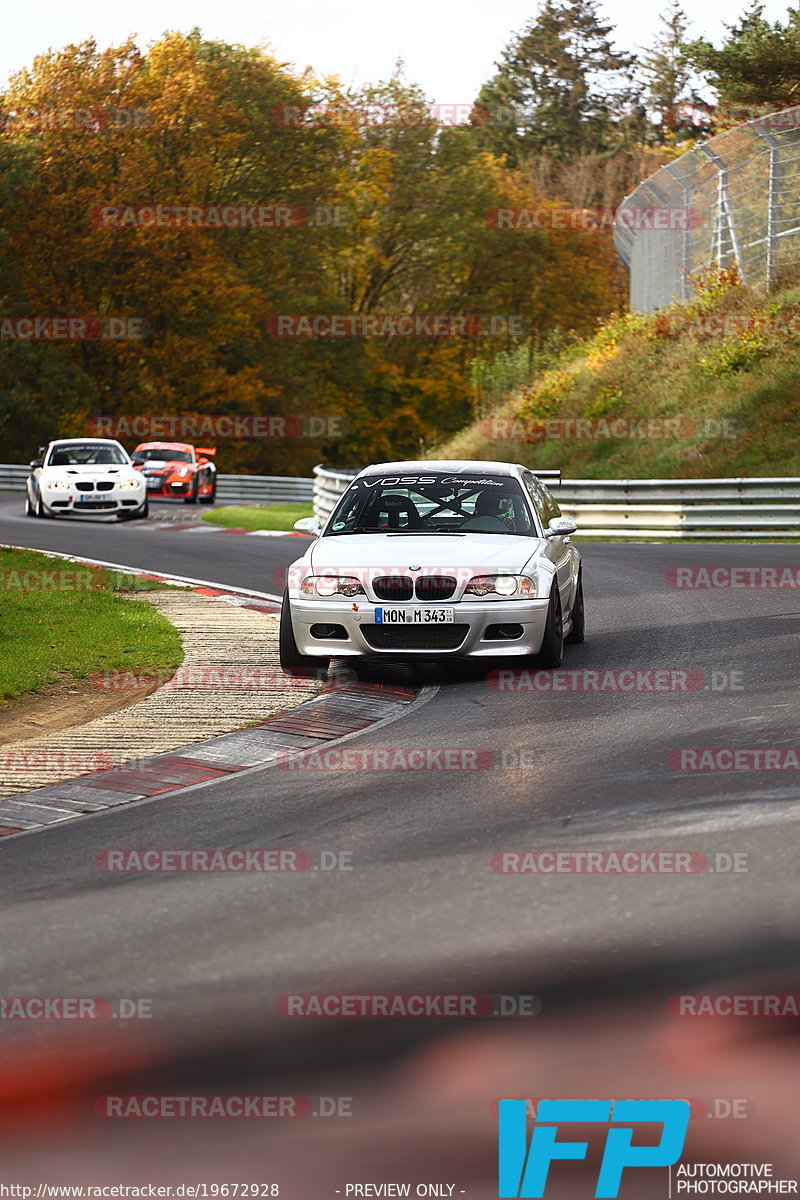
139,515
576,634
212,495
41,511
30,511
552,651
192,497
292,661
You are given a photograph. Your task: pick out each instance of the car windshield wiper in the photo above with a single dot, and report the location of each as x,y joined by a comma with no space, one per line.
453,532
399,532
345,532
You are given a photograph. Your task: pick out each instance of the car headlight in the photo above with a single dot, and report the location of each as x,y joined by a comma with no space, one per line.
331,585
56,484
130,483
183,472
518,586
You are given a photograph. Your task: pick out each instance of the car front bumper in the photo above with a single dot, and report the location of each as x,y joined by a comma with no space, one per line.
86,503
470,636
159,488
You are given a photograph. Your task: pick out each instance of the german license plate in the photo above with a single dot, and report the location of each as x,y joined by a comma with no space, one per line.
414,616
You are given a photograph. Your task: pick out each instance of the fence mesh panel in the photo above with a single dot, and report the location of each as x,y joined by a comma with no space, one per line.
732,201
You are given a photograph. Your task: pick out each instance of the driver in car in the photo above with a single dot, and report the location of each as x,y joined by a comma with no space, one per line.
493,507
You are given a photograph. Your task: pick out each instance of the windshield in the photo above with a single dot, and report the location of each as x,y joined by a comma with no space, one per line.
433,503
163,454
83,454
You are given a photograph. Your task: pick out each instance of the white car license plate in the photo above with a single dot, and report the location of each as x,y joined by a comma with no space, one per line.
414,616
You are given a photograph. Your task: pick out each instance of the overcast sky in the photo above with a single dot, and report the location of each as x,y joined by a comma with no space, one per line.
449,49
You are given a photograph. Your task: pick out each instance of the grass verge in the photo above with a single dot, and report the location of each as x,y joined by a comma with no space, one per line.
265,516
60,621
718,377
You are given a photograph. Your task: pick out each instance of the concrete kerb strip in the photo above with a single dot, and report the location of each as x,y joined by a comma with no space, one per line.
425,693
342,710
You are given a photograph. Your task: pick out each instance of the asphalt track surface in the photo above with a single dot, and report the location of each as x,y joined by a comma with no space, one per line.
421,902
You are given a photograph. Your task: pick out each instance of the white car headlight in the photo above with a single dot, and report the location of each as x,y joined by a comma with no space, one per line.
130,483
184,471
519,586
56,484
331,585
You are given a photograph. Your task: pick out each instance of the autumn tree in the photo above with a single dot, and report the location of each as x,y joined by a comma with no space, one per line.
207,124
564,86
199,128
757,67
670,83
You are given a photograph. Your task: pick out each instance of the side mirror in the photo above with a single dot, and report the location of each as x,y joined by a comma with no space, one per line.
202,462
36,462
308,525
560,527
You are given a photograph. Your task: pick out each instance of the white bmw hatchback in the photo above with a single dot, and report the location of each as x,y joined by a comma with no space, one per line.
436,559
85,476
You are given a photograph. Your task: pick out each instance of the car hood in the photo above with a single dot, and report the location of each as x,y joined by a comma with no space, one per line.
479,551
91,471
166,463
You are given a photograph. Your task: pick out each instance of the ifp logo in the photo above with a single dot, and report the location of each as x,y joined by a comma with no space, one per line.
523,1170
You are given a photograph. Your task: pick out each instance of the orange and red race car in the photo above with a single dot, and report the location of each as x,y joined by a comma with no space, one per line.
177,469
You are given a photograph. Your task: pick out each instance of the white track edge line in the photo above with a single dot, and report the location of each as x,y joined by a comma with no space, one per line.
99,562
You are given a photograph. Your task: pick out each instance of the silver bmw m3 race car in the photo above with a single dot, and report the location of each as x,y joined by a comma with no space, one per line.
432,560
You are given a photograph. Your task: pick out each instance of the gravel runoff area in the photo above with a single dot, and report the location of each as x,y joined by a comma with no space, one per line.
229,678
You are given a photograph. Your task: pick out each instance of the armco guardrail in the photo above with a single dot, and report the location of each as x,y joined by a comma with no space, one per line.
667,509
263,489
231,489
12,477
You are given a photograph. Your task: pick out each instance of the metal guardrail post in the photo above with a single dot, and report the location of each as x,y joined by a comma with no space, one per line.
773,191
724,210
